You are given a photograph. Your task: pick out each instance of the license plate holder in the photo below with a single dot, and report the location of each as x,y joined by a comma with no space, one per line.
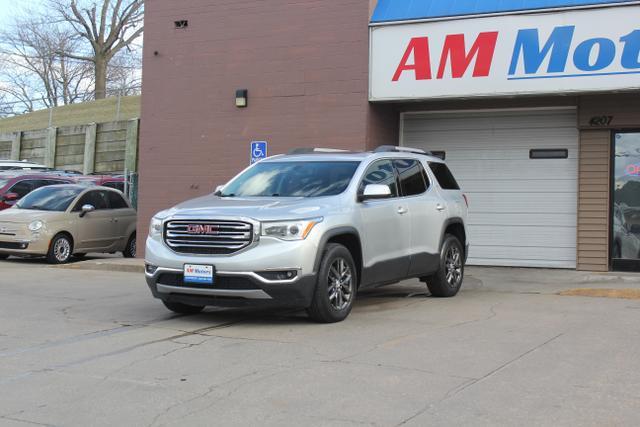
199,274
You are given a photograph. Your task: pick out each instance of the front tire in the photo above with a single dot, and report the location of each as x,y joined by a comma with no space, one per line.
446,282
130,250
180,308
336,287
60,249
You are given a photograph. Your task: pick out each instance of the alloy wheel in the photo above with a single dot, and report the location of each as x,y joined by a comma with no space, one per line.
453,263
62,250
340,284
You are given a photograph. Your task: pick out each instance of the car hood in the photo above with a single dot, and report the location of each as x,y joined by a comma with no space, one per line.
26,216
260,208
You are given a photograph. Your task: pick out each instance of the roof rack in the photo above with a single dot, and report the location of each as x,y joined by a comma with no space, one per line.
316,150
396,149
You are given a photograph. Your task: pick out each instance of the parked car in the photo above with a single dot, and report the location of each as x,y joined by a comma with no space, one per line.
60,221
20,165
111,181
15,185
626,232
309,229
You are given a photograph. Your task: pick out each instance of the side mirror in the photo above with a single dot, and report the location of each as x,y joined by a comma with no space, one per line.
375,192
86,209
10,197
218,190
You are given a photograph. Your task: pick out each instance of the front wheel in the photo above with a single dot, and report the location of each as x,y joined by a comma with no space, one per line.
446,282
337,286
180,308
60,250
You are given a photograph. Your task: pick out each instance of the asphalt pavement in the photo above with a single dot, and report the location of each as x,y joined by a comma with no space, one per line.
93,348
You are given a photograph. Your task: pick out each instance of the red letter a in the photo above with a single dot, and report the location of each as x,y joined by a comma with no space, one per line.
421,61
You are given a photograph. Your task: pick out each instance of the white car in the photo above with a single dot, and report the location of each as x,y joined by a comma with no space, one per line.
6,165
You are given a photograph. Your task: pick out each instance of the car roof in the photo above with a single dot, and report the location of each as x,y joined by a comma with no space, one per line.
350,156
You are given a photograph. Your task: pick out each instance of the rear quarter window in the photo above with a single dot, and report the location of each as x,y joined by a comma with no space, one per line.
444,176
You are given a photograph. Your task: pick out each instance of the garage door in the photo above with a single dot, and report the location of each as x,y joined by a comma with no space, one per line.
522,211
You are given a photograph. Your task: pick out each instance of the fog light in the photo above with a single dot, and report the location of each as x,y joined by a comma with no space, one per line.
279,275
150,269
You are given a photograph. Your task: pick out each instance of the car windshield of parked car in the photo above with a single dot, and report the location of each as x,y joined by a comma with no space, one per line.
292,179
49,199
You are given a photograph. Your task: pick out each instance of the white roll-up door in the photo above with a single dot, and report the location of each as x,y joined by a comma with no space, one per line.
522,211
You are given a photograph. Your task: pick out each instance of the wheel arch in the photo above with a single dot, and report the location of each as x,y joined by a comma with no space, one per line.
349,238
455,226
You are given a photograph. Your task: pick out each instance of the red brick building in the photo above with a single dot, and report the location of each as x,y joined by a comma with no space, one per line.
321,73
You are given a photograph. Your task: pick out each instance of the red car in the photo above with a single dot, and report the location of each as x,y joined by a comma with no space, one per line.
111,181
15,185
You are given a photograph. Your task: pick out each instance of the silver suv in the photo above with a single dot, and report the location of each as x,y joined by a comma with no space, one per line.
309,229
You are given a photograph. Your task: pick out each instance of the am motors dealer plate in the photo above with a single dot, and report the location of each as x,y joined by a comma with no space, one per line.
200,274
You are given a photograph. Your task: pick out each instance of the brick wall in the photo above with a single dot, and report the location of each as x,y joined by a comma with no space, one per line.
304,62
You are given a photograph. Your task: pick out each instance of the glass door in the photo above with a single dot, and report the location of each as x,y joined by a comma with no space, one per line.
625,236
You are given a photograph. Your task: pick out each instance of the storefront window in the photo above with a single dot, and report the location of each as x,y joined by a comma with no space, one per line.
626,202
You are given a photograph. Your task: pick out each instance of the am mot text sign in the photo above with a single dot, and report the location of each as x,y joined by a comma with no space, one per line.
561,52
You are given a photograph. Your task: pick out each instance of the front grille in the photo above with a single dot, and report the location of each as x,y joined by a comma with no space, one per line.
235,283
208,237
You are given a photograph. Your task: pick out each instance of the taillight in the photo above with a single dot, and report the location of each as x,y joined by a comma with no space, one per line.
466,201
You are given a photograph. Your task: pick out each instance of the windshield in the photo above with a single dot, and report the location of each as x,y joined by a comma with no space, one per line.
292,179
49,199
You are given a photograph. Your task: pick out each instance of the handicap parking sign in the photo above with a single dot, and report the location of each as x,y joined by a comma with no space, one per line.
258,151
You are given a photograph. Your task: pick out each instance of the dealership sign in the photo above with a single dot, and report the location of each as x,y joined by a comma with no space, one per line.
561,52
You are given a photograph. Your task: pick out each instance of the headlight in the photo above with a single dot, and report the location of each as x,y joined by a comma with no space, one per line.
290,230
155,227
36,225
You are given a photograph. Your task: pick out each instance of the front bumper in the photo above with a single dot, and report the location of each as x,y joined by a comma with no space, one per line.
231,289
24,247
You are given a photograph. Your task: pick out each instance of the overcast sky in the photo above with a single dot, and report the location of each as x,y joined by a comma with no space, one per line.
9,8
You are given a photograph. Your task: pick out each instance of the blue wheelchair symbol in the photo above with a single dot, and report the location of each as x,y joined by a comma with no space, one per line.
258,151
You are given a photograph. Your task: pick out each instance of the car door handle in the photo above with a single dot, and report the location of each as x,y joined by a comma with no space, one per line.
402,210
440,207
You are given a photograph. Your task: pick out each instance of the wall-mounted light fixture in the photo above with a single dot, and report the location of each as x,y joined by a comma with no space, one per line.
241,98
181,25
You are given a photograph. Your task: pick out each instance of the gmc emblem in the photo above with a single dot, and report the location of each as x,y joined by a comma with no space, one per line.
203,229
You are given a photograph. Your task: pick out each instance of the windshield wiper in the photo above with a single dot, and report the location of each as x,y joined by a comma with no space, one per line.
228,195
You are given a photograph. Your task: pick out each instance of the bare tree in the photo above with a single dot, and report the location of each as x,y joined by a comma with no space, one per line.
36,70
109,26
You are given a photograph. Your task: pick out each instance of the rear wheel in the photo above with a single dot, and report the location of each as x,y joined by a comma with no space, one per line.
130,250
60,249
446,282
337,286
180,308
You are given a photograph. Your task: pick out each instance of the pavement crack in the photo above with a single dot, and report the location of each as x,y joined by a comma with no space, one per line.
465,385
20,420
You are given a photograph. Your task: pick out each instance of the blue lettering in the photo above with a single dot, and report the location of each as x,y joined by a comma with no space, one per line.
631,52
557,47
606,54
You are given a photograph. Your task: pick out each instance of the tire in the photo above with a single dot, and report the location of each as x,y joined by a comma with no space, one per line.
446,282
60,249
79,255
4,256
332,302
180,308
130,250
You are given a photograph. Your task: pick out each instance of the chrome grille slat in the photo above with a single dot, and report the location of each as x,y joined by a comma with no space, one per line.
229,236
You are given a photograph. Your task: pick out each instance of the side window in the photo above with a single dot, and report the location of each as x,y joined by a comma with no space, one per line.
116,201
115,184
95,198
381,172
22,188
444,176
412,177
